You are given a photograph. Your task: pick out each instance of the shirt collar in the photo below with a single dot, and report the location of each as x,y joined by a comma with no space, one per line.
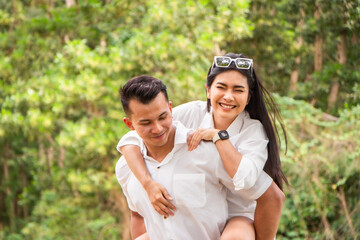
181,134
234,128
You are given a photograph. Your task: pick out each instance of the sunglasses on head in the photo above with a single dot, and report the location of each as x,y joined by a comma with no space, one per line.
240,63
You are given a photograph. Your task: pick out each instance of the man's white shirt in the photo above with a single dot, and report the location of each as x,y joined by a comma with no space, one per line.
198,183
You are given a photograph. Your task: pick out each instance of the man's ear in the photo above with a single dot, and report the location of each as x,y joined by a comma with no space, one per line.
170,106
128,123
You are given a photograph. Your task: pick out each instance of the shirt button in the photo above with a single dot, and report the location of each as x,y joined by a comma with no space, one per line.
158,167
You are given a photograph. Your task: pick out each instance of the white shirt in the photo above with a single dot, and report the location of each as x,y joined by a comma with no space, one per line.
247,136
196,180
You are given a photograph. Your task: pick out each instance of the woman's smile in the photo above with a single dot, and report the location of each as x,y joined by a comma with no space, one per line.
227,106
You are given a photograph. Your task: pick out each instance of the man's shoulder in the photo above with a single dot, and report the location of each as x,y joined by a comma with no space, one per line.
207,150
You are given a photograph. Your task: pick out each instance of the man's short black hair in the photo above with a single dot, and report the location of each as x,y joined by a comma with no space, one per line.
143,88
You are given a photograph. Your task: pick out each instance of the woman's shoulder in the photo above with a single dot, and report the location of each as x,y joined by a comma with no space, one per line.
190,114
254,126
194,107
191,106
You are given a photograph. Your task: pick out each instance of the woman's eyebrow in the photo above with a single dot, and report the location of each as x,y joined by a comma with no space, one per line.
236,86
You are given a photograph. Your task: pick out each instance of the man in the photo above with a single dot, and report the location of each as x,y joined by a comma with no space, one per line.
197,180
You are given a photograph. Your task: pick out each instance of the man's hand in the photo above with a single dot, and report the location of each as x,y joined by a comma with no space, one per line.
198,135
159,198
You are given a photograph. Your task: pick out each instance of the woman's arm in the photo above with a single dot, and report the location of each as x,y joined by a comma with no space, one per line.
158,196
229,155
243,157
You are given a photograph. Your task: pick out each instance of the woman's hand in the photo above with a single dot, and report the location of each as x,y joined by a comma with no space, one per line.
200,134
159,198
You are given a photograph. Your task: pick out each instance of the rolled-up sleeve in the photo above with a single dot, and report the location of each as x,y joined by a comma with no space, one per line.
123,175
253,147
130,138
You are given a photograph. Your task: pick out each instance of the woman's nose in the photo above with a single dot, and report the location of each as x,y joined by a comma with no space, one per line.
228,96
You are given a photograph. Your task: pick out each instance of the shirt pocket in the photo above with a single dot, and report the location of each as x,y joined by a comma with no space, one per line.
189,190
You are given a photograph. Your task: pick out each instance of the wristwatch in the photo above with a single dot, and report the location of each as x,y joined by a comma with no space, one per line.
221,135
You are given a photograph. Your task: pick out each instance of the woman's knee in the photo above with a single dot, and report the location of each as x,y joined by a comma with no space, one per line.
239,228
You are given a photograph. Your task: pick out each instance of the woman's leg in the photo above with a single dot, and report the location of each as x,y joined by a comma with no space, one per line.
239,228
268,213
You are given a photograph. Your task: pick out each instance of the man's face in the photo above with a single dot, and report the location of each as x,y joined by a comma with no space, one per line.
152,121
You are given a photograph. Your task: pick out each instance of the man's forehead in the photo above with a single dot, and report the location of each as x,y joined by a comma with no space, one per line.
153,109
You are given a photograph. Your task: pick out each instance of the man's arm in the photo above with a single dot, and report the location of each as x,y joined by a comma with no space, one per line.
268,213
137,225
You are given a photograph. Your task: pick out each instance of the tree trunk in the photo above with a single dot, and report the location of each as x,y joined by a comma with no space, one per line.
294,76
25,184
318,43
62,157
9,196
70,3
342,60
295,73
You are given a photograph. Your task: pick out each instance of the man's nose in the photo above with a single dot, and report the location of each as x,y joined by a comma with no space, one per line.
157,127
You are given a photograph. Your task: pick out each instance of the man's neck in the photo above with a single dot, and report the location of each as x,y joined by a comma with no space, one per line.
159,153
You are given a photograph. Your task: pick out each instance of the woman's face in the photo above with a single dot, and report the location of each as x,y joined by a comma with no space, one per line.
229,95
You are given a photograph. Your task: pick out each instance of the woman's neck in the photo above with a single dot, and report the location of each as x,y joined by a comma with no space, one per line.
221,123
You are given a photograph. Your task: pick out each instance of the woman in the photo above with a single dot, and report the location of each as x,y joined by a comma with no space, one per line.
236,103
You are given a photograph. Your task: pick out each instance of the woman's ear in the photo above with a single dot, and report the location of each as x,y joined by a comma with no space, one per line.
248,100
208,95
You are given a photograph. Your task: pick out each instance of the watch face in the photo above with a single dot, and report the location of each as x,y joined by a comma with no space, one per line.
223,135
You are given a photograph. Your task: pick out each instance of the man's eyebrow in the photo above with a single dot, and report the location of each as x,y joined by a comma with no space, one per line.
144,120
164,113
148,120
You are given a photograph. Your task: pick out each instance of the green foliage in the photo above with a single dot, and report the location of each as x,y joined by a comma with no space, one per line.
323,168
60,114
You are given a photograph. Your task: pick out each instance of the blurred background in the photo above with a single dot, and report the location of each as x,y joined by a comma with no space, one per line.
62,63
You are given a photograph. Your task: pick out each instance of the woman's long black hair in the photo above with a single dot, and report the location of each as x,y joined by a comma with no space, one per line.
257,109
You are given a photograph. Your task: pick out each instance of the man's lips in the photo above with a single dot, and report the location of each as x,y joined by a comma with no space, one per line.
159,135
